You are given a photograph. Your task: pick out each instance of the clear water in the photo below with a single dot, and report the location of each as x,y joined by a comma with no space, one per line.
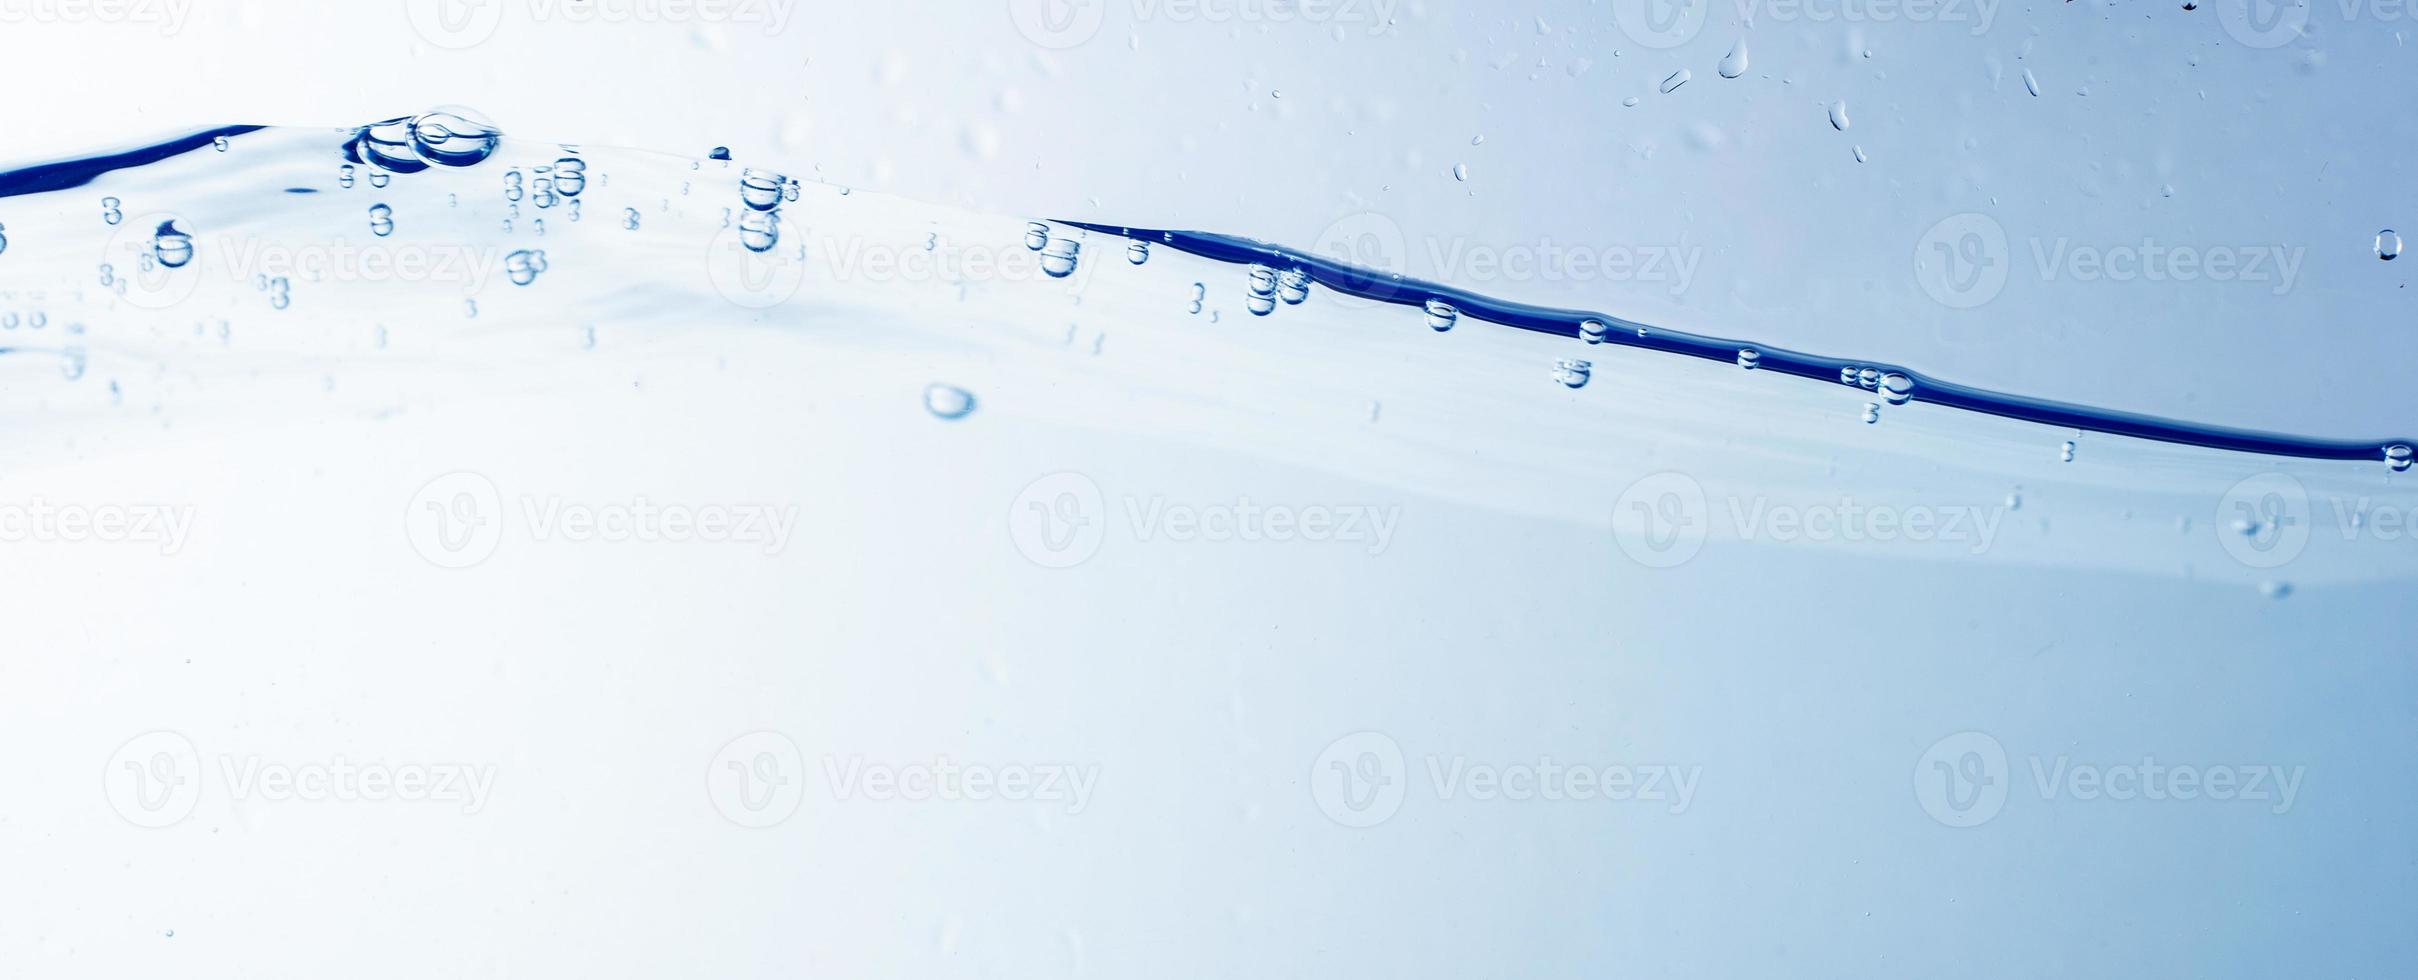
355,367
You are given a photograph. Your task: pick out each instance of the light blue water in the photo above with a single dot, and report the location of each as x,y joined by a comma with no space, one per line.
1877,621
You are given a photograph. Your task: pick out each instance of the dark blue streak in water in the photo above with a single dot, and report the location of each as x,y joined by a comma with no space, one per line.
1403,291
43,177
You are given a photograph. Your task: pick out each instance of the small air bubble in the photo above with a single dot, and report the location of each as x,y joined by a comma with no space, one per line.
1750,358
1572,372
1593,331
2388,245
1441,315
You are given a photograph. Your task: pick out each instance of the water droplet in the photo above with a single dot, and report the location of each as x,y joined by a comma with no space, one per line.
1750,358
73,366
718,153
760,189
1896,389
1838,115
1260,304
1441,315
1137,252
1676,79
381,220
2015,500
2397,456
1036,235
218,143
2031,83
1572,372
2275,590
2388,245
1593,331
1733,64
1460,172
2065,453
1859,155
948,401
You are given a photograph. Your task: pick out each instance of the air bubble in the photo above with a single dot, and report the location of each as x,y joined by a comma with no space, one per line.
2065,452
1137,252
1896,389
1750,358
171,245
629,218
570,176
760,189
1036,236
2397,456
759,230
523,266
1059,258
452,139
109,211
1260,304
1263,281
1593,331
1293,287
381,220
948,401
1872,412
1572,372
1441,315
2388,245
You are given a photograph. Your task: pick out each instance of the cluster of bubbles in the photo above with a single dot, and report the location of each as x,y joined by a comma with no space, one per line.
36,320
1059,253
281,292
1267,286
411,144
1894,388
523,266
